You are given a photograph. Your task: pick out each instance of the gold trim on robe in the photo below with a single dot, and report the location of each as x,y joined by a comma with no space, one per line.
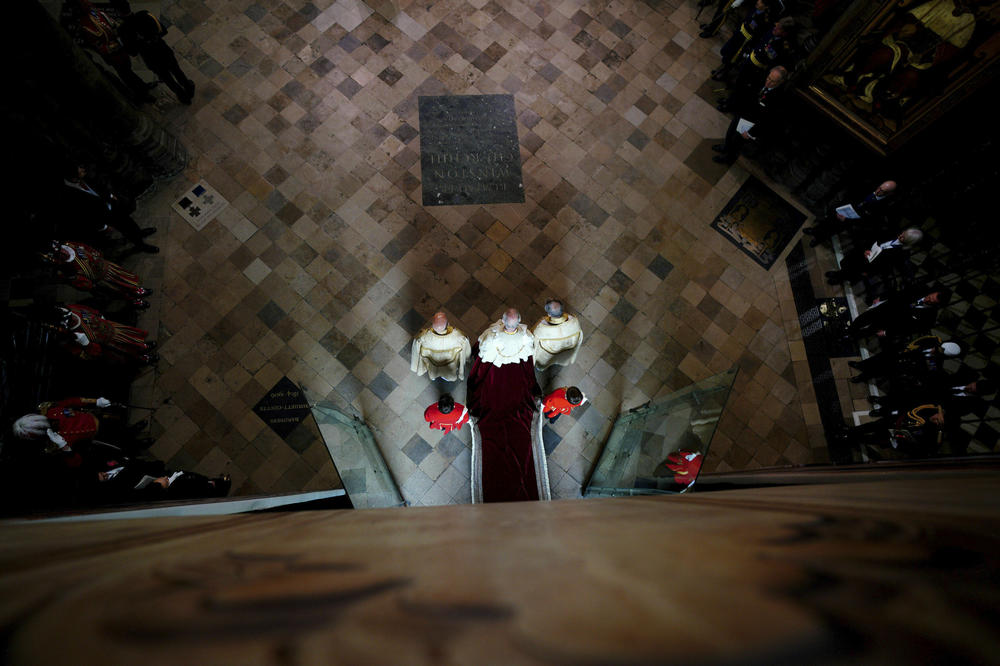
440,354
557,342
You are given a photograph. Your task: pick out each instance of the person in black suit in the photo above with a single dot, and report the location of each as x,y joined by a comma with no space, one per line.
863,218
890,255
921,356
98,30
900,314
142,34
761,110
960,398
121,479
89,211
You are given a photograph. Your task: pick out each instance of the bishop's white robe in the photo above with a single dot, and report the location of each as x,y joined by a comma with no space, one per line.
440,354
497,346
557,340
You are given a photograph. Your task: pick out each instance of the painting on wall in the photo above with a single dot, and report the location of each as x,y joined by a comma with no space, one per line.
890,69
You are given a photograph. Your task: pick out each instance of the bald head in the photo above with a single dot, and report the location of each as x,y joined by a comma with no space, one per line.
553,308
511,318
440,322
911,237
886,188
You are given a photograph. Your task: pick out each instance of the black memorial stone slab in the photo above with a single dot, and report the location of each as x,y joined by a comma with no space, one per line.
469,150
283,408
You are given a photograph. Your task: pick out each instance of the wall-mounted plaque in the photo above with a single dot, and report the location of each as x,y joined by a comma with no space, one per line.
469,152
283,408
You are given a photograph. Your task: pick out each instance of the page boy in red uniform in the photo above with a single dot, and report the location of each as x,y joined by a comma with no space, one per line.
562,401
446,414
685,466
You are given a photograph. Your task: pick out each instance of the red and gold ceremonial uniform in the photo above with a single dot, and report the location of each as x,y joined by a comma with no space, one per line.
453,420
555,403
71,419
101,33
685,466
106,337
84,267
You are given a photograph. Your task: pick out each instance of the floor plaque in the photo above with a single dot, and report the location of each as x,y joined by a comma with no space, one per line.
283,408
469,150
759,222
200,204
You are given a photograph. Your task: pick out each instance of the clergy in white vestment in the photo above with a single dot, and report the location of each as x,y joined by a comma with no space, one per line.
557,336
440,350
506,341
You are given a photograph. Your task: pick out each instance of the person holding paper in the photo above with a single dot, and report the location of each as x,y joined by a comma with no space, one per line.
865,212
968,398
123,480
880,258
756,116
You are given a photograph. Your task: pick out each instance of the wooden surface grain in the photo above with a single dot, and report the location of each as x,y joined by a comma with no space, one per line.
867,571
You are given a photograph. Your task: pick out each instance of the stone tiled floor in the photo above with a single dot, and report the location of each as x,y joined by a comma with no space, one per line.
325,263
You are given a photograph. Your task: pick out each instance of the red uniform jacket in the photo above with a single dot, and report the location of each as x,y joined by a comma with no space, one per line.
453,420
74,425
685,466
556,403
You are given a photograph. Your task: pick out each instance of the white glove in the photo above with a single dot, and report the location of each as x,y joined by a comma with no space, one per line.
103,402
57,439
736,3
82,339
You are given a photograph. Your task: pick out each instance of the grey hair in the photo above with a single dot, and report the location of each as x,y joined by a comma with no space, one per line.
506,321
551,309
30,426
911,237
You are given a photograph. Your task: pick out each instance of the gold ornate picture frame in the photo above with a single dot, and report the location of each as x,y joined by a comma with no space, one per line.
889,69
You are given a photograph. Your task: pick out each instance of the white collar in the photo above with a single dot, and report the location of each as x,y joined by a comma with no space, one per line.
82,186
75,321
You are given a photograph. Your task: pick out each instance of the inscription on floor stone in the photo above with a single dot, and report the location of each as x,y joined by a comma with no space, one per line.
469,150
283,408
